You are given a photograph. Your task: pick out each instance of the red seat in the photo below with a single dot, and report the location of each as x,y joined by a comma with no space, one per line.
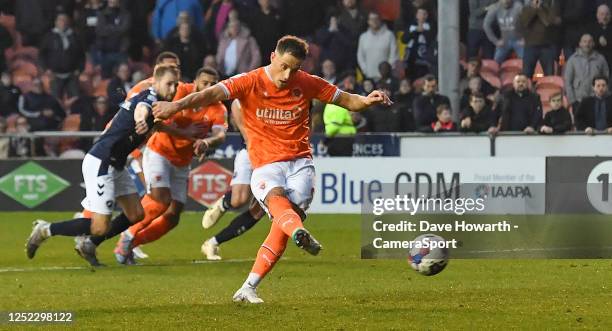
551,82
491,79
490,66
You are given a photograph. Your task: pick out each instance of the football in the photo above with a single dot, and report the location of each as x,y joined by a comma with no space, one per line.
426,256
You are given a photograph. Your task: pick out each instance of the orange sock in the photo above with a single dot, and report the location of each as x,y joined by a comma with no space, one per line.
283,215
159,227
152,209
270,252
86,213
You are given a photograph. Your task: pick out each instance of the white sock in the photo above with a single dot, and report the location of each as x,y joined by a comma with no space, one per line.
252,281
213,241
47,230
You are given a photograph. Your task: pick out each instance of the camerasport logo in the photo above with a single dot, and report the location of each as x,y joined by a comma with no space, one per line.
31,184
209,182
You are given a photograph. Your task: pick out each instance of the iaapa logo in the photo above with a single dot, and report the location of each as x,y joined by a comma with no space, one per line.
502,191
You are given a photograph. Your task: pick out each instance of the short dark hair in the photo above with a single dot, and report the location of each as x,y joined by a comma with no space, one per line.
293,45
429,78
604,78
209,71
442,107
166,55
162,69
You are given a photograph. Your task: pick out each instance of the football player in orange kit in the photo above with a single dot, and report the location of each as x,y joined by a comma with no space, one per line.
276,100
166,166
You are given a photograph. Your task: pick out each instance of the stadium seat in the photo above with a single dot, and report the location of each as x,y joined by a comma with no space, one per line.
550,82
512,65
101,88
490,66
25,67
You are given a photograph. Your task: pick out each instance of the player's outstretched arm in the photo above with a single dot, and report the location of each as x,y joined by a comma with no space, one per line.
357,103
164,109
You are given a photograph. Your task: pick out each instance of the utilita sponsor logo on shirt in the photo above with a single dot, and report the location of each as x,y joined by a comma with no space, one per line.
278,116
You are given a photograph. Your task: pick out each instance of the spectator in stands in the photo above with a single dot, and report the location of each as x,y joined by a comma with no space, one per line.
112,37
602,33
521,110
595,112
505,15
338,121
557,119
9,95
120,85
420,36
303,18
444,120
386,76
477,116
140,32
211,61
426,104
328,71
477,40
189,51
354,21
88,22
6,41
368,86
21,146
33,19
582,68
474,67
268,23
5,143
238,51
101,115
403,100
166,13
375,46
42,110
574,15
382,118
195,35
62,55
335,43
475,85
539,22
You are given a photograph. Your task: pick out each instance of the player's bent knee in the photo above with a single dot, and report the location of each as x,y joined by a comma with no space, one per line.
99,228
136,214
162,196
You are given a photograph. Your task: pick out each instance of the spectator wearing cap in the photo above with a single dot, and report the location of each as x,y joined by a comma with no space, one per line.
426,104
557,119
521,110
62,55
376,45
112,37
595,112
505,15
476,38
477,116
582,68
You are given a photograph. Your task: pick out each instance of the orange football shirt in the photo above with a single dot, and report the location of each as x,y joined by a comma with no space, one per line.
179,151
277,121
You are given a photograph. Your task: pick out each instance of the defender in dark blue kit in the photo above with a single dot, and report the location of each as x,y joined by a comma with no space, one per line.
106,179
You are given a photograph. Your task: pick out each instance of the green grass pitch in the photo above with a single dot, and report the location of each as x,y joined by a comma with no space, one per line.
336,290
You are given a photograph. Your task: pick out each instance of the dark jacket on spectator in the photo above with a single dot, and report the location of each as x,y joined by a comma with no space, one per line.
537,24
190,54
116,93
112,31
6,41
424,108
584,116
62,53
404,103
598,31
481,122
302,18
574,14
354,27
9,96
31,105
559,120
334,46
383,119
266,29
86,25
519,111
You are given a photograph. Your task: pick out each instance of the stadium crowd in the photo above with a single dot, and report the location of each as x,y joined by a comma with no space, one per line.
536,66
